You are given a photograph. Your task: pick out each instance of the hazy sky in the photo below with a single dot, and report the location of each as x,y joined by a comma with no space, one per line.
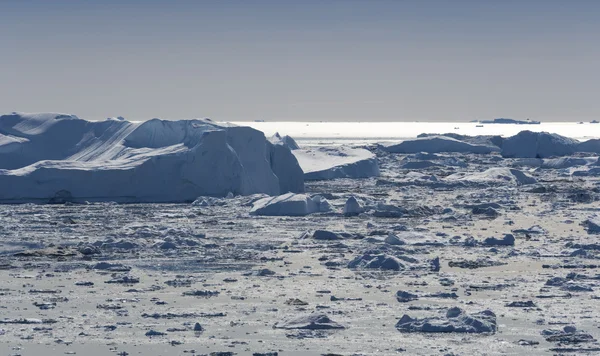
376,60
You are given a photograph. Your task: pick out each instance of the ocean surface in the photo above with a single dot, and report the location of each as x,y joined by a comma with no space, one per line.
371,132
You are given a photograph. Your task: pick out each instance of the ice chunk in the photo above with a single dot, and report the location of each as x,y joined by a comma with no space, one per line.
310,322
290,204
456,321
352,207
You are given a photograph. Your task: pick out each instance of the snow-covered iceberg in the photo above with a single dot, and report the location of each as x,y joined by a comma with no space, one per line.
337,162
437,144
44,156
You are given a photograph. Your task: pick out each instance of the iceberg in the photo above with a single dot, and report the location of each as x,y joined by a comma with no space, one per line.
48,156
290,204
324,163
528,144
437,144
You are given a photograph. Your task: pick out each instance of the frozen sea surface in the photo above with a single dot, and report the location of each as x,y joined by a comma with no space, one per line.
434,232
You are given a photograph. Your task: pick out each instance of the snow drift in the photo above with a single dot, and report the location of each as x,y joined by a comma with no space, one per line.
44,156
337,162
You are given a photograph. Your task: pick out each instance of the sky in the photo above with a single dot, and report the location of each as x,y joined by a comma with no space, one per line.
317,60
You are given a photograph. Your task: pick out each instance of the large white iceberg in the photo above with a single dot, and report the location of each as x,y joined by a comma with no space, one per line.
322,163
43,156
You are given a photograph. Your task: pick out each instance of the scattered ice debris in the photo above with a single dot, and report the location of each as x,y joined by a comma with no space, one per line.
201,293
376,260
568,335
534,230
151,333
263,272
521,304
478,263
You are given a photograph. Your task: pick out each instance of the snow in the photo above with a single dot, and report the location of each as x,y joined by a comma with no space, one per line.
323,163
289,204
153,161
436,144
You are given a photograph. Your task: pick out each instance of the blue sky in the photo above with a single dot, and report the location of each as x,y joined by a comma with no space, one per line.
378,60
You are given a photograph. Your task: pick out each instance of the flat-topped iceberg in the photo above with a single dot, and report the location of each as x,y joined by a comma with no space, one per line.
437,144
43,156
503,120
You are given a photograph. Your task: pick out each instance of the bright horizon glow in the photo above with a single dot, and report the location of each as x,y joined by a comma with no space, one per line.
351,60
372,132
